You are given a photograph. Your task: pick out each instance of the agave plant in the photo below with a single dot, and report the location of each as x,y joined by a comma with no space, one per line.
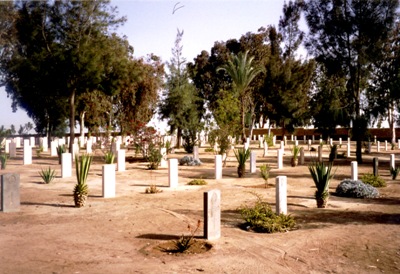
82,166
394,172
295,153
109,157
321,174
47,175
3,161
242,155
60,150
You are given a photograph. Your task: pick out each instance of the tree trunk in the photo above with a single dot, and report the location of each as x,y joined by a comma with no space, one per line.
242,117
71,121
82,125
178,137
392,123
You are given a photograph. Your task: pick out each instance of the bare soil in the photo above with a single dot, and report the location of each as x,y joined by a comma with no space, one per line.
133,232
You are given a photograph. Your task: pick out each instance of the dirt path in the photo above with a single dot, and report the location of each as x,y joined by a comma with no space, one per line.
119,235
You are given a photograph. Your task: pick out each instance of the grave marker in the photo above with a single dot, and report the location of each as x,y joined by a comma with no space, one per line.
121,160
27,153
13,149
375,166
354,170
66,165
10,196
253,162
212,214
173,173
302,156
392,161
108,181
280,158
281,194
218,167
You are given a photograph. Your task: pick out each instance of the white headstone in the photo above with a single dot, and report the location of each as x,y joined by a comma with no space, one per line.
53,148
253,162
354,170
340,141
66,165
378,146
7,146
386,145
196,153
305,139
32,141
45,144
13,149
163,162
348,150
18,141
108,182
173,173
302,156
218,167
212,214
27,153
265,149
89,146
319,153
121,160
392,161
10,192
280,158
281,194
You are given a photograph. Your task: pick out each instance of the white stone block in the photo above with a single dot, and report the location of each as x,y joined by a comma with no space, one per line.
280,158
281,194
27,153
392,161
212,214
173,173
13,149
66,165
253,157
121,160
354,170
53,148
108,181
218,167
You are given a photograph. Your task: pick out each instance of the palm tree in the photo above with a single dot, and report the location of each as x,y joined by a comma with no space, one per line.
240,69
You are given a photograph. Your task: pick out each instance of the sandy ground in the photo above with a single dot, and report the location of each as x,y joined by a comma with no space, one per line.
119,235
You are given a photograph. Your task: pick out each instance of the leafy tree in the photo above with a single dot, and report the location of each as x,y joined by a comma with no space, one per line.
242,72
59,53
347,36
288,78
181,105
382,93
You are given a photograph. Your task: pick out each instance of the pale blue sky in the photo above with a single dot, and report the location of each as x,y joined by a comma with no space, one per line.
151,28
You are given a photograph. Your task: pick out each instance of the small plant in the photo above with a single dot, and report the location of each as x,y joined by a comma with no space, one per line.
186,241
39,151
356,189
154,158
152,189
333,154
109,157
242,155
82,166
373,180
3,160
321,174
261,218
295,155
209,149
47,175
393,145
60,150
197,182
265,169
168,146
269,139
394,172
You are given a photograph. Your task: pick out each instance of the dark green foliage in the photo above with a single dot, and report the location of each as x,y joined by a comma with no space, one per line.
109,157
197,182
321,174
356,189
3,161
394,172
333,153
261,218
269,139
154,157
373,180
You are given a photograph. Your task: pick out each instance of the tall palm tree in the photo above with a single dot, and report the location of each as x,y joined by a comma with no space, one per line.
242,72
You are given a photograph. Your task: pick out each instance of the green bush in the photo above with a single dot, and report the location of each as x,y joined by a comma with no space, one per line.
261,218
394,172
269,139
373,180
109,157
197,182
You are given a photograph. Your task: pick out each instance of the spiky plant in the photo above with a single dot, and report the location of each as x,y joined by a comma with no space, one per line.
242,155
295,155
82,166
60,150
47,175
321,174
109,157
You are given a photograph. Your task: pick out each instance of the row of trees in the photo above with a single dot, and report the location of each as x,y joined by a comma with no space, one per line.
62,59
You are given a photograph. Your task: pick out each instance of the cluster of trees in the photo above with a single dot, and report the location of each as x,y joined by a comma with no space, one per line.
61,59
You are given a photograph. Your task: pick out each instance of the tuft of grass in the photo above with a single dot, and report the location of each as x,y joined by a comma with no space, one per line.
47,175
261,218
197,182
265,169
152,189
373,180
209,149
109,157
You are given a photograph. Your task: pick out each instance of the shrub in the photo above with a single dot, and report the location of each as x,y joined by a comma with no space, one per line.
190,161
269,139
209,149
197,182
154,158
394,172
373,180
152,189
185,242
265,169
333,153
3,161
261,218
356,189
47,175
